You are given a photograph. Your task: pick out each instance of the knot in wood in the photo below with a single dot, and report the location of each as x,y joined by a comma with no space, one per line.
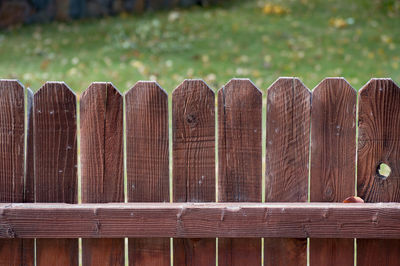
191,119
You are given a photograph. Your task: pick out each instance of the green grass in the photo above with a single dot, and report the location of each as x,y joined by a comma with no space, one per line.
215,44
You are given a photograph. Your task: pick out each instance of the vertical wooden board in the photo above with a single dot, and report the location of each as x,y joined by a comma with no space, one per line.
287,159
12,142
55,164
239,162
333,160
378,142
12,121
102,169
193,129
147,163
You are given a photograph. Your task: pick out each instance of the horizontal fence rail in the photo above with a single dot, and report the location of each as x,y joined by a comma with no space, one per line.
200,220
197,173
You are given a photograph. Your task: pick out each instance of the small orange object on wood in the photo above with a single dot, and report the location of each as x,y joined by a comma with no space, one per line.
353,199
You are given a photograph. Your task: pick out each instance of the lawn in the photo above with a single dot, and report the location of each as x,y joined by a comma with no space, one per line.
261,40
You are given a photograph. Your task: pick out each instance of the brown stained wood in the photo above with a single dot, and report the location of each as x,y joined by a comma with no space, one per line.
201,220
287,158
101,124
333,160
378,142
105,251
147,143
12,123
193,129
240,166
149,251
147,163
55,164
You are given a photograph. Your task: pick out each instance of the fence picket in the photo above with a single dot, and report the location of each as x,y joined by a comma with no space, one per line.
193,127
102,172
378,142
333,159
147,163
240,166
12,121
55,164
287,158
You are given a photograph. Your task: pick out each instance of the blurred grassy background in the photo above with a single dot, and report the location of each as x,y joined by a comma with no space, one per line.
261,40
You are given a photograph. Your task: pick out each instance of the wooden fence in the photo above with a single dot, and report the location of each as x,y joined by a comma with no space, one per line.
311,154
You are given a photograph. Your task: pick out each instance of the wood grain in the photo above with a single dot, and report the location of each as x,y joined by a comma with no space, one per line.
201,220
333,160
12,123
55,164
239,162
147,163
378,142
193,129
102,172
287,158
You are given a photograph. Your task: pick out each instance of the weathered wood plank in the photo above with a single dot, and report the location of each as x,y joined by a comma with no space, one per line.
102,172
379,142
201,220
147,163
193,129
55,164
12,123
333,160
287,158
240,166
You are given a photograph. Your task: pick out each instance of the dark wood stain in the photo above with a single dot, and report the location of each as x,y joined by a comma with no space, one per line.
333,160
55,164
202,220
240,166
147,163
287,158
378,142
101,124
12,122
193,129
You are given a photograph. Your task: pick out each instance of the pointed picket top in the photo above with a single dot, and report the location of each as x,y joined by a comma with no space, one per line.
378,85
145,92
336,83
243,84
7,83
284,82
145,85
12,88
55,85
197,84
101,86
